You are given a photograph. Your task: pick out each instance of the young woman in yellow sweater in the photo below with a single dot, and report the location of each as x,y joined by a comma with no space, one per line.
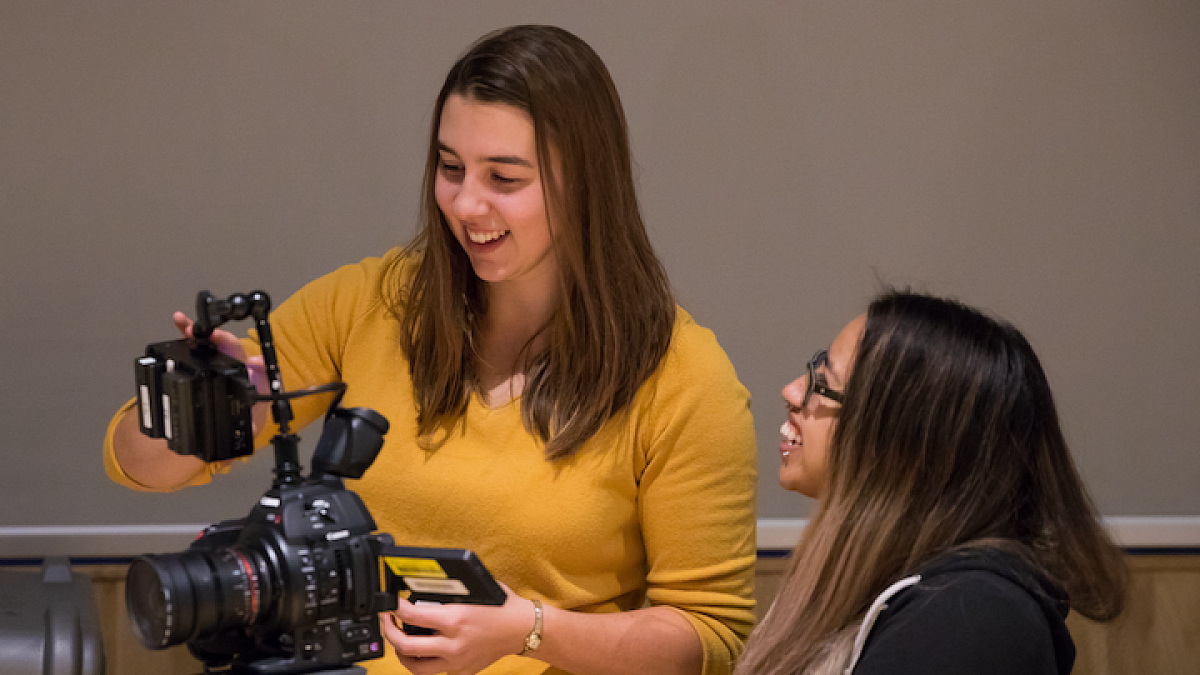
550,406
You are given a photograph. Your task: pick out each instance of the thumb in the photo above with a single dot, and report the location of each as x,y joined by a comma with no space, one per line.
256,368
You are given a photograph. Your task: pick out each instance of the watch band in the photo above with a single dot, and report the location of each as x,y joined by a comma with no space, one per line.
534,639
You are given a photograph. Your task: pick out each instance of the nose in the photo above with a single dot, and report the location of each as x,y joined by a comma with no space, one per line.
793,392
469,201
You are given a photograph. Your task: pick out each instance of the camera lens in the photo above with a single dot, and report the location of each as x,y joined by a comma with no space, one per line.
176,596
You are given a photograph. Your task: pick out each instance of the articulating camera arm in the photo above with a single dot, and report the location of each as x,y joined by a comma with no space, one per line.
212,312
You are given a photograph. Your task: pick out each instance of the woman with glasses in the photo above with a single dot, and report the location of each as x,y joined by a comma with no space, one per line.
953,532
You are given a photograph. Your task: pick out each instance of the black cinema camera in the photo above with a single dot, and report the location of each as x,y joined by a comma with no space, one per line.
295,586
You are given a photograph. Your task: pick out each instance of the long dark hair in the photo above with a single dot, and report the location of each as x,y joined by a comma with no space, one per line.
948,437
616,311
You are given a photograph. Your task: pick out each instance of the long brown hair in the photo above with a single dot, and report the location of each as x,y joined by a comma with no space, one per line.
616,311
948,437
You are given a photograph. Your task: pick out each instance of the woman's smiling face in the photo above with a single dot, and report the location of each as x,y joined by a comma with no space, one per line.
489,188
808,430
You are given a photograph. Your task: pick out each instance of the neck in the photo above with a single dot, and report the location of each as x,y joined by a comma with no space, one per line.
515,314
518,311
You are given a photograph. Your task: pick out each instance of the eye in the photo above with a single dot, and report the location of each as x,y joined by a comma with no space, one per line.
449,167
507,183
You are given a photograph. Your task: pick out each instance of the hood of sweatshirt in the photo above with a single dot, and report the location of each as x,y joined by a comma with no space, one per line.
1049,595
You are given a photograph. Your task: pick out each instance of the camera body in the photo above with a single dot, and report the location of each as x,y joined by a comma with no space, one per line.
295,586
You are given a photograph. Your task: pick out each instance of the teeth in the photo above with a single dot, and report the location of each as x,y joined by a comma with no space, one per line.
790,433
485,237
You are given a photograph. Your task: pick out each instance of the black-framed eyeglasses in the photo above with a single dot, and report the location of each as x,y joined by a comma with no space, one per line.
815,382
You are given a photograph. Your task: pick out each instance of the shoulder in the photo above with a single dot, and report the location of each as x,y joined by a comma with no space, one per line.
695,374
366,274
328,309
694,353
354,288
969,621
974,596
694,401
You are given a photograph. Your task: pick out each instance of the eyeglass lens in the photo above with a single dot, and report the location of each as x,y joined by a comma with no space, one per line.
810,381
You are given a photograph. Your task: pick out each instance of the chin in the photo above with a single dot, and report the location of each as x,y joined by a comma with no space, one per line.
799,487
789,484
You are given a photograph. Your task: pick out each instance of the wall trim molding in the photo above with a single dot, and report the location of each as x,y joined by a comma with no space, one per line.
1167,532
96,540
774,534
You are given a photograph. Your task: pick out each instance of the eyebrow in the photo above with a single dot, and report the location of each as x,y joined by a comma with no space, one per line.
513,160
829,381
827,370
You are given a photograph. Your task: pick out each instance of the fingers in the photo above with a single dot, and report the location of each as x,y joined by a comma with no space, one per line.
468,637
410,614
230,345
183,323
420,654
256,368
432,616
227,342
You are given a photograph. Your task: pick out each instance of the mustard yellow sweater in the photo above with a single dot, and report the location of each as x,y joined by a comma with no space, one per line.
658,507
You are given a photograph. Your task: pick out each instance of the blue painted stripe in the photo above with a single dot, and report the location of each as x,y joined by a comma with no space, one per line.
1127,550
81,561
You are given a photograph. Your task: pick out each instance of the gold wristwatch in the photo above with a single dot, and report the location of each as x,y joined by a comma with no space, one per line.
534,639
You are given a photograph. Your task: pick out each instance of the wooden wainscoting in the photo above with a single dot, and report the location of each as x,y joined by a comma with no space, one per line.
1159,633
123,653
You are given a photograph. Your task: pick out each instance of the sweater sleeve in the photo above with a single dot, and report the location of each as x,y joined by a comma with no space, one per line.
697,495
117,474
976,623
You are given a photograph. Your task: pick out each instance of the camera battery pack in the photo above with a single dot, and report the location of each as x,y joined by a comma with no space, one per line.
197,398
48,622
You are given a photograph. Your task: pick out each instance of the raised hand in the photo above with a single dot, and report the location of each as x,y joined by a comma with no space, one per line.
231,346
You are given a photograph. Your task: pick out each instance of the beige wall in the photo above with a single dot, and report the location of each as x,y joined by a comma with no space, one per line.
1037,157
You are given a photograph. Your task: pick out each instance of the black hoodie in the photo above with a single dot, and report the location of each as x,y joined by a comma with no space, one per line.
980,611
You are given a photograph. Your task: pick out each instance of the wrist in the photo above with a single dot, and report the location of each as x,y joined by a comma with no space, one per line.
533,639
